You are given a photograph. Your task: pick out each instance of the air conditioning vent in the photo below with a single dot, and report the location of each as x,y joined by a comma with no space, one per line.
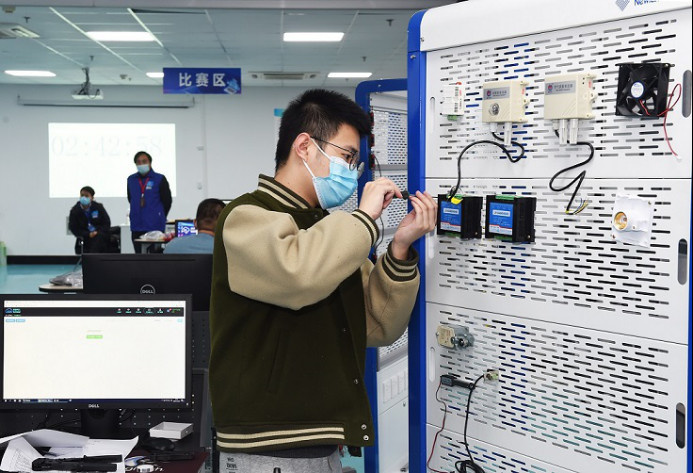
283,75
12,31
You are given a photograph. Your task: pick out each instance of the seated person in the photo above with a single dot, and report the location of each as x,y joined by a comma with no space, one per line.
205,221
90,223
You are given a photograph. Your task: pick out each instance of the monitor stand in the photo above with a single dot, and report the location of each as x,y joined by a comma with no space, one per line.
99,423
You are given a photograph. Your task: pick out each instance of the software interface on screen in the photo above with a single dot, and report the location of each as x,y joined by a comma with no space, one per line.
185,228
66,351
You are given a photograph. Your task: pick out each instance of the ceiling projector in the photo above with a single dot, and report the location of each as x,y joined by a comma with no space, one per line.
86,91
86,95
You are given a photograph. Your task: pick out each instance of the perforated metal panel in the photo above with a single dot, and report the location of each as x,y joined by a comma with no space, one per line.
491,457
585,397
397,209
393,352
383,245
590,334
625,147
390,152
390,136
575,273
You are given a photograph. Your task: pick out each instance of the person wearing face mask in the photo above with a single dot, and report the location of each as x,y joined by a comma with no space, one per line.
149,195
90,223
295,300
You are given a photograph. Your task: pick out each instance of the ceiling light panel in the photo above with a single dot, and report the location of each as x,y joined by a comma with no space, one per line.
313,37
349,75
18,73
133,36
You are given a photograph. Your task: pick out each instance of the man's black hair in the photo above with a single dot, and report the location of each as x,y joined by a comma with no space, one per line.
142,153
88,189
319,113
208,212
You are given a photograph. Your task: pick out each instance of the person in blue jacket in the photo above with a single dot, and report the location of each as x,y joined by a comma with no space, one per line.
90,223
150,199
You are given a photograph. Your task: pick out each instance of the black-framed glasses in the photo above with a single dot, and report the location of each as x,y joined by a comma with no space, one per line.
352,160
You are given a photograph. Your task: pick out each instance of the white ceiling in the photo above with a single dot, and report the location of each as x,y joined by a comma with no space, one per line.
375,40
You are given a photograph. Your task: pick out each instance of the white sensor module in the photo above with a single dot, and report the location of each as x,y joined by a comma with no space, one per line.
567,99
504,102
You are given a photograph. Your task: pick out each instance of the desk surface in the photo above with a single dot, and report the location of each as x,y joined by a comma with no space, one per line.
181,466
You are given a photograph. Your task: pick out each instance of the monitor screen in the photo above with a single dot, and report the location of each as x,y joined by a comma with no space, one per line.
95,352
185,228
149,274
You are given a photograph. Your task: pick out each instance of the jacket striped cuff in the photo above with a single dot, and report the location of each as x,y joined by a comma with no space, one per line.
401,270
368,222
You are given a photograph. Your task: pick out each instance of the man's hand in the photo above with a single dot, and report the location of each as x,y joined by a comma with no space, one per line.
377,195
93,234
415,224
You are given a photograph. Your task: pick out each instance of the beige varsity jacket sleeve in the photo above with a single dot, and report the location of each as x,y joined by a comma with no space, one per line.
271,260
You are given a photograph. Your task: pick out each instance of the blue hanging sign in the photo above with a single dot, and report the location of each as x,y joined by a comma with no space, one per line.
185,80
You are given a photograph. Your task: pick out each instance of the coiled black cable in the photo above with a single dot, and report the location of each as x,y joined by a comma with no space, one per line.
510,157
579,178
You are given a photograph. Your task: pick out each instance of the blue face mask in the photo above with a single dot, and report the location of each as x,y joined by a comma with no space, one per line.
143,168
85,201
335,189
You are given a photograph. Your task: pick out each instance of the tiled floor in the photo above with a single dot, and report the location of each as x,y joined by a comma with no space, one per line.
26,278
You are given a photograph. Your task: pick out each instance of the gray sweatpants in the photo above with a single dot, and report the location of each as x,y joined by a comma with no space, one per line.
247,463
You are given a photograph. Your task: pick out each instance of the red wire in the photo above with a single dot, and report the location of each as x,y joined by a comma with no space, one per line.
666,111
442,427
642,105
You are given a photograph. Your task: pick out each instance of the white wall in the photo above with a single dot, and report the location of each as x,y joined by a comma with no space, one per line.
222,144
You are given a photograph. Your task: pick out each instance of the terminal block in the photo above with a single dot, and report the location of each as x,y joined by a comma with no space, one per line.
453,100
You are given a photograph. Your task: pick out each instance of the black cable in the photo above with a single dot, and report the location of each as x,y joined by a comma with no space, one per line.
442,427
454,190
381,237
42,424
64,422
514,143
464,466
579,178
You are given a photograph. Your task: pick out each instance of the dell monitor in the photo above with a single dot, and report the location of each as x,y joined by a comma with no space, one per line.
185,227
95,353
149,274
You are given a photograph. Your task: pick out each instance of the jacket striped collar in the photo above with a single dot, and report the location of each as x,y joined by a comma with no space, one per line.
281,193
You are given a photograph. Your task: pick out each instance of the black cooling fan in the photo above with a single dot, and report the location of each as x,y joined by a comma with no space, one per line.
642,89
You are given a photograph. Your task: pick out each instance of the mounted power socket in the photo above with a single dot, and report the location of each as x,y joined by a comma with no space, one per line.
453,336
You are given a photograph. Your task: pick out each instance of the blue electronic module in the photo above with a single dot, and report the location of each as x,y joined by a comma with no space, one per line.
510,218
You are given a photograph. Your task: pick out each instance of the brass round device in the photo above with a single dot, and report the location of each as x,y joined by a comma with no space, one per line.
620,221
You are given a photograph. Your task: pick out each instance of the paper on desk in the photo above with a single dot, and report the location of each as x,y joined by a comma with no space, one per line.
95,447
49,438
64,452
54,438
18,456
20,453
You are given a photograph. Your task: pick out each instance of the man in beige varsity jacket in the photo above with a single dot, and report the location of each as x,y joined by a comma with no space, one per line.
295,300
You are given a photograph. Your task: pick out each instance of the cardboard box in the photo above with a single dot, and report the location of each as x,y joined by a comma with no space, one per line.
171,430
